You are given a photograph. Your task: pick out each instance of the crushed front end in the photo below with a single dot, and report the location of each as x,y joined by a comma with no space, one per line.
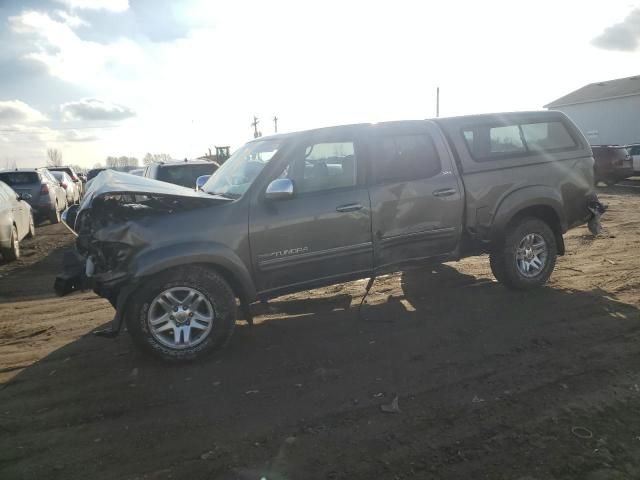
112,225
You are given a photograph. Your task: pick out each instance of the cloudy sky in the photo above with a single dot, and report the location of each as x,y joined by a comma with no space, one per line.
124,77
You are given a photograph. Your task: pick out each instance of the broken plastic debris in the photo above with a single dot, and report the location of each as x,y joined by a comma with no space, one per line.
477,399
249,392
207,455
392,407
597,209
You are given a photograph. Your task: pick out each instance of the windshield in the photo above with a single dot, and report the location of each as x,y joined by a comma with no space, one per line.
237,174
185,175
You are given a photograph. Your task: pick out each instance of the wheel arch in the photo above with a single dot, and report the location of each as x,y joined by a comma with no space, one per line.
206,255
538,202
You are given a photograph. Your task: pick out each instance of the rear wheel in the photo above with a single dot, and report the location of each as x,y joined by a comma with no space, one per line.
183,314
527,255
54,215
13,252
32,227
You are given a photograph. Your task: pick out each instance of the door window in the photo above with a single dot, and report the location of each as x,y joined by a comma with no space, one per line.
406,157
323,166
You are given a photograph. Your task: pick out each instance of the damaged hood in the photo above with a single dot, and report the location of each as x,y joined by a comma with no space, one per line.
113,182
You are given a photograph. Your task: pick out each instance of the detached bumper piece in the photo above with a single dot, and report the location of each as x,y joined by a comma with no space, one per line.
597,209
109,285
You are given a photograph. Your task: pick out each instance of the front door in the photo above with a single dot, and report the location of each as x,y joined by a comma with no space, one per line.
416,198
322,234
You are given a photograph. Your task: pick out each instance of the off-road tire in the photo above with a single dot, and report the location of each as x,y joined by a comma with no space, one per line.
503,256
54,215
209,283
13,252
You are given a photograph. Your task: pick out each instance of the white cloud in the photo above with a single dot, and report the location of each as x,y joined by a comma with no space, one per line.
72,20
95,109
623,36
17,111
76,136
111,5
68,57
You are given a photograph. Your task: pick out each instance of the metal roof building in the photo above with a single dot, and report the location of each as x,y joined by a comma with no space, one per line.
607,112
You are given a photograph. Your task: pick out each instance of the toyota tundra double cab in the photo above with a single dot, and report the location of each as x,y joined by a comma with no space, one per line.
295,211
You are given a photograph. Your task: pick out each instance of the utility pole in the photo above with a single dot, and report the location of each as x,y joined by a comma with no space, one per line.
437,102
275,123
255,123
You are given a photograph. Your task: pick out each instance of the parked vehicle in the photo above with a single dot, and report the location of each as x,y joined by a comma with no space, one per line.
297,211
137,171
180,173
73,195
16,221
612,163
47,198
72,173
91,174
634,151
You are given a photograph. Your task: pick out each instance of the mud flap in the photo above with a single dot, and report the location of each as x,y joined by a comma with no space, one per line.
73,276
120,304
597,209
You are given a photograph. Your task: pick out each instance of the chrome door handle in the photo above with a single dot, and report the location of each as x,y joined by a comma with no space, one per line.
349,207
445,192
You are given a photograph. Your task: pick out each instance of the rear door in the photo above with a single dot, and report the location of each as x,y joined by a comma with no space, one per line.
416,198
322,234
14,210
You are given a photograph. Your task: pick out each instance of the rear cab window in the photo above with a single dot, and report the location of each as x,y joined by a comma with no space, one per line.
491,142
19,178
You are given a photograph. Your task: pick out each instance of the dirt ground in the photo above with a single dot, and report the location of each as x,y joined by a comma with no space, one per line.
491,384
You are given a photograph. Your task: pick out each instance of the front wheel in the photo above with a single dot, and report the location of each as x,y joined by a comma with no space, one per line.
183,314
13,252
527,255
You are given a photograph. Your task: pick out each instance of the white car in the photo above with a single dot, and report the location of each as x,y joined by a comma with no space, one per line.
73,193
634,151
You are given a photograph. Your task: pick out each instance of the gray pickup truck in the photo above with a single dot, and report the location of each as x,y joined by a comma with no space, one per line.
296,211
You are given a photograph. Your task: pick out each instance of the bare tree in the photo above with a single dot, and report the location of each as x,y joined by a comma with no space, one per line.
150,158
54,157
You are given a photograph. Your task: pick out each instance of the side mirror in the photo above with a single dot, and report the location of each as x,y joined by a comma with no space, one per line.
69,217
279,189
25,196
201,180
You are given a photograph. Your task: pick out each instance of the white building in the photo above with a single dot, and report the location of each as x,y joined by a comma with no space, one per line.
608,113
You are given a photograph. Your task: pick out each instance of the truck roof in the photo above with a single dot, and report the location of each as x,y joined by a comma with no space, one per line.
462,120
